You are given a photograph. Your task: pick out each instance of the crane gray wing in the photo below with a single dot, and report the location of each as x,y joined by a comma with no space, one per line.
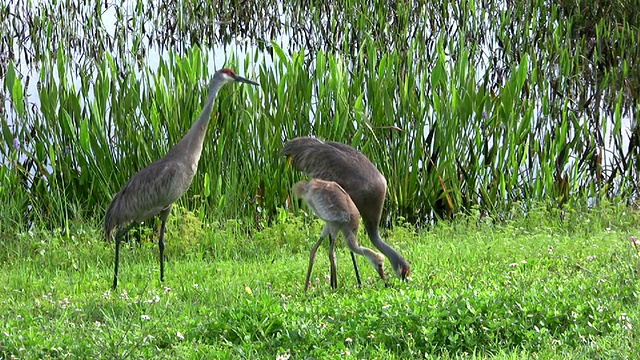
331,161
148,192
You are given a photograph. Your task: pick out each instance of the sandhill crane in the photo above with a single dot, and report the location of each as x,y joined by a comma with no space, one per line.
331,203
351,169
153,190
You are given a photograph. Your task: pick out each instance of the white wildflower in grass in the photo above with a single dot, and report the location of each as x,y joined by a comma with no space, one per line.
348,340
195,286
372,335
145,317
626,324
574,314
591,257
284,356
167,289
513,264
179,335
124,295
63,303
385,307
346,352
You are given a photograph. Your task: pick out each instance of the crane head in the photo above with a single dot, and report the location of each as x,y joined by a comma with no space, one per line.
380,270
301,188
403,271
228,75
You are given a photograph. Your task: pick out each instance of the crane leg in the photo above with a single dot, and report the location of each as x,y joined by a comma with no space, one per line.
163,216
115,273
312,258
355,266
332,261
119,235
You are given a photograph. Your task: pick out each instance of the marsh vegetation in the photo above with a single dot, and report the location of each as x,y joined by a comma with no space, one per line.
461,105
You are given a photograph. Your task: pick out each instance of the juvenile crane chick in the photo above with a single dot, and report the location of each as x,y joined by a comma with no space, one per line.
331,203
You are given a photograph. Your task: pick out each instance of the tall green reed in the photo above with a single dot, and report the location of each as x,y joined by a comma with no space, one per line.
476,110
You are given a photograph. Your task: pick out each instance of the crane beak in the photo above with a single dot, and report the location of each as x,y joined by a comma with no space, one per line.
406,274
246,81
381,273
289,160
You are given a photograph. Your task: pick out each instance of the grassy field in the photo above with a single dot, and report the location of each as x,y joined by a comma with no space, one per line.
549,285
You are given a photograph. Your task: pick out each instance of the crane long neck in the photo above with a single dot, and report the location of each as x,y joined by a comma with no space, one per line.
394,257
190,147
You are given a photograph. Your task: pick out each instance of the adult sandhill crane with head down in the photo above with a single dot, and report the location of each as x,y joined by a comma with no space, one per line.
153,190
356,174
332,204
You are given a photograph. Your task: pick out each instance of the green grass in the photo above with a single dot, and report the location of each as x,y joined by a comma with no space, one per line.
549,285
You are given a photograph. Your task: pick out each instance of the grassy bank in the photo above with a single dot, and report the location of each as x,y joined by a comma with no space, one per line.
546,286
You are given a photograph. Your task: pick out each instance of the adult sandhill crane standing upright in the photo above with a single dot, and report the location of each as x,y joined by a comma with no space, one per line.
351,169
331,203
153,190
